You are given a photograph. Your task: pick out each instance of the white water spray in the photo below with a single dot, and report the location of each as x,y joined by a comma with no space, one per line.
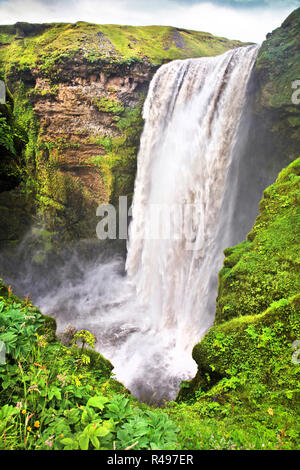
149,321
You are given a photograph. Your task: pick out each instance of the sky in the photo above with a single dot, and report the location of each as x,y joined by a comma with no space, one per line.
246,20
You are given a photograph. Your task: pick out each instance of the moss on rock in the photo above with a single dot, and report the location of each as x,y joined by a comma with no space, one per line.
276,70
73,83
246,365
254,342
25,46
265,268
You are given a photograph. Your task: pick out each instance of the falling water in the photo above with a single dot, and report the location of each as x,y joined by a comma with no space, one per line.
148,321
191,116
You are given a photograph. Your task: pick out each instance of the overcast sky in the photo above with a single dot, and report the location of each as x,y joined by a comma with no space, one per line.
247,20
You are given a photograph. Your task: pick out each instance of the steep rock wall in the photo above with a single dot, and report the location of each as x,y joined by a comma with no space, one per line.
269,133
79,89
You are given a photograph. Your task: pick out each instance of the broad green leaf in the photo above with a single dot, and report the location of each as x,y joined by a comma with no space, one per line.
84,441
97,402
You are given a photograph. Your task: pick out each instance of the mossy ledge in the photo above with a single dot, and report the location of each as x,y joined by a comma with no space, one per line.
245,368
265,268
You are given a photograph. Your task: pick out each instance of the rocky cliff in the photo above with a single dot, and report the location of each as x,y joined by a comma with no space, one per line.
269,131
79,90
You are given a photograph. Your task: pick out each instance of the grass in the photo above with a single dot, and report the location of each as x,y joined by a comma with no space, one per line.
60,41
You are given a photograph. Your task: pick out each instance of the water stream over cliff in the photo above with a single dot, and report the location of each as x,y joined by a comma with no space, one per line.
148,321
191,116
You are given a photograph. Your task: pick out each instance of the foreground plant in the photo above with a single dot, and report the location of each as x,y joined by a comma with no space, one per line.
63,398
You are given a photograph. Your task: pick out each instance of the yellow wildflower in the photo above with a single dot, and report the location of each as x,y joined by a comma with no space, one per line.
37,424
23,412
28,428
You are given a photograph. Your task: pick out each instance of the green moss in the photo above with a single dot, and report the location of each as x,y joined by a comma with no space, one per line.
276,70
51,44
48,328
118,164
246,393
16,168
106,105
265,268
278,64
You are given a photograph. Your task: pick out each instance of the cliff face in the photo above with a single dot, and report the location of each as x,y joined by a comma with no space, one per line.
276,71
15,209
263,269
79,90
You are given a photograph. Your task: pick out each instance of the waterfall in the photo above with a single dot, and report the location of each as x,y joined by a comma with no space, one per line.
191,116
148,321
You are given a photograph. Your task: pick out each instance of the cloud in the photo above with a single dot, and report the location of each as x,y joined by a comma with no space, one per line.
247,3
247,20
236,4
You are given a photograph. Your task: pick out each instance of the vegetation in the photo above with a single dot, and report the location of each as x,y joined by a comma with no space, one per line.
46,46
62,394
265,268
36,60
12,140
246,391
62,398
278,63
118,164
39,60
277,68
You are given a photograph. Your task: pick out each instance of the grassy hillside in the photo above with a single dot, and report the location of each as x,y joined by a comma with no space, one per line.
25,45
